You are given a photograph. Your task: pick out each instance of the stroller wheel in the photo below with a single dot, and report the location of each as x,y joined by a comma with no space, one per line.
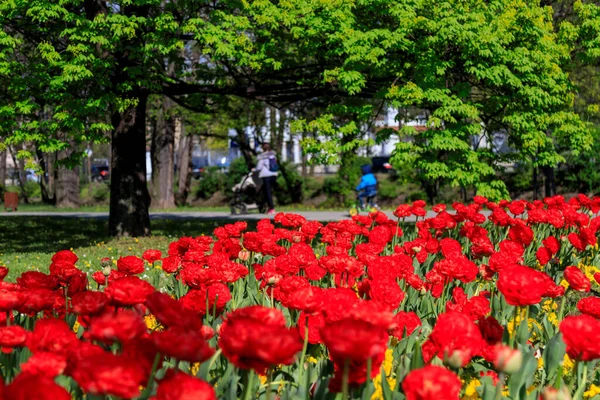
238,209
262,208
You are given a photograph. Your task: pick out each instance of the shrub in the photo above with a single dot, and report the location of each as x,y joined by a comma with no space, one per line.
388,189
312,187
211,182
32,189
289,184
99,191
237,169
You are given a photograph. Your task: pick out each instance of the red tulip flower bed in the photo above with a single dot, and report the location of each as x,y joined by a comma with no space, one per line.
482,301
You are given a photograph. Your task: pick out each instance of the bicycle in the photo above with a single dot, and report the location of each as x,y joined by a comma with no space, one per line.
369,205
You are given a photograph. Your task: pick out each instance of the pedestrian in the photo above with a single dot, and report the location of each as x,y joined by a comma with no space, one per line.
267,170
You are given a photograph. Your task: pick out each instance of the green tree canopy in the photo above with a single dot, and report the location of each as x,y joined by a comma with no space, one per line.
476,67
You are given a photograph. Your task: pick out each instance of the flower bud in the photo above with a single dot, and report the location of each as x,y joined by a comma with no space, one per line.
508,360
244,255
417,249
106,270
457,359
550,393
105,262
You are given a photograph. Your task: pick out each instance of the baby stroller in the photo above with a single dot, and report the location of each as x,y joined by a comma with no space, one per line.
247,195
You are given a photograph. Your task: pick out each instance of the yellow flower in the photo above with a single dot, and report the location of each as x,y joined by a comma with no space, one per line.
262,378
568,365
540,362
387,370
388,362
311,360
471,390
151,322
531,323
564,284
593,391
553,319
549,305
589,271
194,368
76,326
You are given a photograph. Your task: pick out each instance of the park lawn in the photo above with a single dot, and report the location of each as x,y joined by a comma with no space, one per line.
28,243
37,207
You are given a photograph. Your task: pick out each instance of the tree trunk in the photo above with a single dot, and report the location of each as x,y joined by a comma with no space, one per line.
2,168
535,183
550,182
247,152
67,186
278,142
21,175
185,169
46,179
304,159
129,197
163,163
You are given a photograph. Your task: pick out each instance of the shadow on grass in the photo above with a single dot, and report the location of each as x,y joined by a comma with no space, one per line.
48,234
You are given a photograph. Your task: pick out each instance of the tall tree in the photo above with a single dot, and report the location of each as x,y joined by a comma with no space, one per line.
108,57
477,67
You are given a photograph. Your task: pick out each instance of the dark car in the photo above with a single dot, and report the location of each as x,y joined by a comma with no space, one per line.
381,165
100,173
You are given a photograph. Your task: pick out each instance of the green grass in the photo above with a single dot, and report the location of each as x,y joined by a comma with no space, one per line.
104,208
28,243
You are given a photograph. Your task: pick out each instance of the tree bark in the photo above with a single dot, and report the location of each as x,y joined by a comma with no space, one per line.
2,168
129,197
21,175
185,169
47,178
550,182
67,185
163,163
247,152
535,183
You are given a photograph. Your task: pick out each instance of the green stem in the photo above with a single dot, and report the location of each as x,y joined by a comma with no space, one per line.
499,386
247,394
581,384
369,369
304,348
561,311
148,390
269,382
345,378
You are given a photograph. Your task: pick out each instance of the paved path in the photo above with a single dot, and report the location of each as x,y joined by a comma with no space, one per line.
206,215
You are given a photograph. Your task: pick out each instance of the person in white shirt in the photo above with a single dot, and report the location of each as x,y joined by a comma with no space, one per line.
267,171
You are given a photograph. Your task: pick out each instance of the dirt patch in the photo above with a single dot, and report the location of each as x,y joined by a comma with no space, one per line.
217,199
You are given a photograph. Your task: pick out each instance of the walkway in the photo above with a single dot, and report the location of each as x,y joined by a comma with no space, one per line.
206,215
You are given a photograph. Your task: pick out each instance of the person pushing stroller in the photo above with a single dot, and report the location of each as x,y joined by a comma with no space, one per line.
367,188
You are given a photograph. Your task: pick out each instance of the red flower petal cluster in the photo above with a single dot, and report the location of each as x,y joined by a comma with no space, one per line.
257,338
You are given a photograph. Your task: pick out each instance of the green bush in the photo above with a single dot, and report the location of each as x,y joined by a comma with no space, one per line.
388,189
99,191
312,187
211,181
32,189
333,186
289,185
237,170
